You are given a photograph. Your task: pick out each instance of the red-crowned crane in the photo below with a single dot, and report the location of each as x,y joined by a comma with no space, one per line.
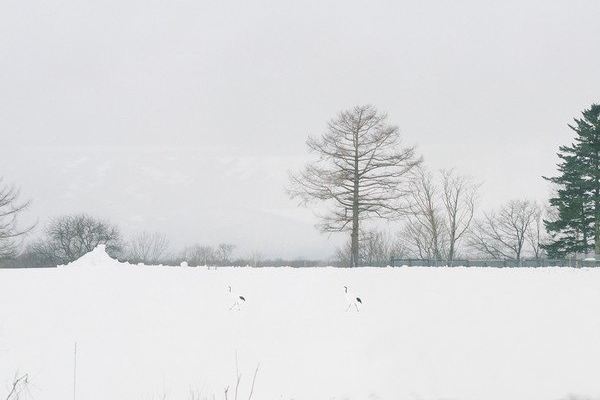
235,299
351,300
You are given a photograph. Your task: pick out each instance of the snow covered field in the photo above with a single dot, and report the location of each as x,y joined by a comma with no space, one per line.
422,333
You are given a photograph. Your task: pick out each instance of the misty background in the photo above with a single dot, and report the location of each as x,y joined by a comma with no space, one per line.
185,117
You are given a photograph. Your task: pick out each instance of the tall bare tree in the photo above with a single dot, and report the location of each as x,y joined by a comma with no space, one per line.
359,172
148,247
425,233
459,196
504,234
10,210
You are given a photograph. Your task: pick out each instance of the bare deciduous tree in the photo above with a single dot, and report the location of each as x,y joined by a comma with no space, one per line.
71,236
256,259
224,252
440,214
376,248
503,235
425,230
199,255
459,198
10,210
359,172
148,247
536,234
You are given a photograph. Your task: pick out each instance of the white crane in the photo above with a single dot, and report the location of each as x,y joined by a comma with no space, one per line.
235,299
351,300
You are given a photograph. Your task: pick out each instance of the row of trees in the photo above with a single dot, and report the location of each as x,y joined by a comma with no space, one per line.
361,171
442,223
65,239
513,232
69,237
440,220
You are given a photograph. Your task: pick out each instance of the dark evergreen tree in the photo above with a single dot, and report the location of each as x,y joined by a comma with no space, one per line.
575,227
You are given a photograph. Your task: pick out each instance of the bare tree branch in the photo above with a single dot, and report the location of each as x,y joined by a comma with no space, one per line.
425,231
503,234
536,235
148,248
10,210
440,214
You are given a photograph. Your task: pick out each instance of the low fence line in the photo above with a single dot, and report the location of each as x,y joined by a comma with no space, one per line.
26,266
526,263
416,262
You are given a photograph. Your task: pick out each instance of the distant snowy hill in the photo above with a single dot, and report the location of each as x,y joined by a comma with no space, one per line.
193,195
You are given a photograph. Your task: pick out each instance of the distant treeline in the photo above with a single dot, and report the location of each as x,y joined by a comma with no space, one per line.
67,238
361,171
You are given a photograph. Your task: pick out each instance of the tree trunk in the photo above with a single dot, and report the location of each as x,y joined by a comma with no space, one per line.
451,251
585,237
355,228
354,244
355,208
597,207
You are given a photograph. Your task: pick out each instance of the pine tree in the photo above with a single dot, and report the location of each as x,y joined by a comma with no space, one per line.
576,226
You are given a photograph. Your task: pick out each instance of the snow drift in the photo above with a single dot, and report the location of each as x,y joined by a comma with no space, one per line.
422,333
95,258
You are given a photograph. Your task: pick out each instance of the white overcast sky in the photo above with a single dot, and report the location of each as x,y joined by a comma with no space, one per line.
185,116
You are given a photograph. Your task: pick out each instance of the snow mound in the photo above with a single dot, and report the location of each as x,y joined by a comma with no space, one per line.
95,258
